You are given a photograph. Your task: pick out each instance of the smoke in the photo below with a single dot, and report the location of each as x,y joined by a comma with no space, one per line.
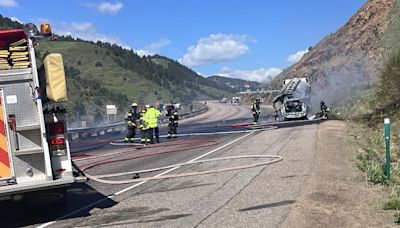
302,92
339,88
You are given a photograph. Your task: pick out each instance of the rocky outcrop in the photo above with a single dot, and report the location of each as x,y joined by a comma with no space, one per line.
347,57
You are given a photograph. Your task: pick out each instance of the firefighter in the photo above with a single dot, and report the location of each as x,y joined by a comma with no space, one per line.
324,110
173,118
130,119
151,118
143,126
255,108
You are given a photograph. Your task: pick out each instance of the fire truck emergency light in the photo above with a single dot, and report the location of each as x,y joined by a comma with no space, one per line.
45,29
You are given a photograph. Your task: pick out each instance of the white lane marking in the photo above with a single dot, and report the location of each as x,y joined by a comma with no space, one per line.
140,183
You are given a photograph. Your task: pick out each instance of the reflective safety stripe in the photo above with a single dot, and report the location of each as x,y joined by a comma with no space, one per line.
5,164
151,117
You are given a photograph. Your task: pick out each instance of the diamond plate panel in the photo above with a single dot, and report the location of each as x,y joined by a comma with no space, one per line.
15,78
33,162
16,72
24,109
29,139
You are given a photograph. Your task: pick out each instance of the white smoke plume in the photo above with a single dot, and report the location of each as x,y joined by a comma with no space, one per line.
341,87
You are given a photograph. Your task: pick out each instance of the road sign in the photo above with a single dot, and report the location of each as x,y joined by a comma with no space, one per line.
111,110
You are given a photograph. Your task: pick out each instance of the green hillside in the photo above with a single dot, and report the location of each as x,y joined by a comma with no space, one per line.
96,64
6,23
100,73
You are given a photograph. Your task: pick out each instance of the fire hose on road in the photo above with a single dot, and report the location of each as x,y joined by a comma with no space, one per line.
203,143
253,129
140,146
99,178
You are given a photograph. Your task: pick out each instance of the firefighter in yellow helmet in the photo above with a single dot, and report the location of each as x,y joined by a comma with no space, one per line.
130,119
151,118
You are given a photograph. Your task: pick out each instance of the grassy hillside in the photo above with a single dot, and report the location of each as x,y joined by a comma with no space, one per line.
390,39
6,23
381,101
95,63
100,74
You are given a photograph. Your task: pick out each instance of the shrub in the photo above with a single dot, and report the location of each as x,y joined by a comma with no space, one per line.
388,87
392,204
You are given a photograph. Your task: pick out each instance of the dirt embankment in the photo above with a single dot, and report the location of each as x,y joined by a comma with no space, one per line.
336,193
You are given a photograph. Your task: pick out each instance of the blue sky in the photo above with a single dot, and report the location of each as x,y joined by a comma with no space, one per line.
251,39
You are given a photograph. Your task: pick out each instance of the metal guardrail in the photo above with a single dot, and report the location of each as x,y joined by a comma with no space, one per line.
117,128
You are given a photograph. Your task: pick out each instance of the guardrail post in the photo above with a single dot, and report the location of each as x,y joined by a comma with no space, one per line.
387,140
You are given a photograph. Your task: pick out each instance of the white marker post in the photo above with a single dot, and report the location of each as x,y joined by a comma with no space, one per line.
387,140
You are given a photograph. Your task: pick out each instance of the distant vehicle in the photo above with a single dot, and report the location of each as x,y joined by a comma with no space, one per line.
235,101
294,100
178,106
224,100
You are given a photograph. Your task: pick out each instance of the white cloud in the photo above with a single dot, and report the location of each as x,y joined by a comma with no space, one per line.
85,31
294,58
42,21
258,75
107,7
153,48
16,20
8,3
216,48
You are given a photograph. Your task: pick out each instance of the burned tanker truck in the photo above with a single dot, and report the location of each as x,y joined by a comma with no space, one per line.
293,101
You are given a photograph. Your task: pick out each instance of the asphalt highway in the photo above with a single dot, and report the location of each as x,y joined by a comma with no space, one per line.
257,197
